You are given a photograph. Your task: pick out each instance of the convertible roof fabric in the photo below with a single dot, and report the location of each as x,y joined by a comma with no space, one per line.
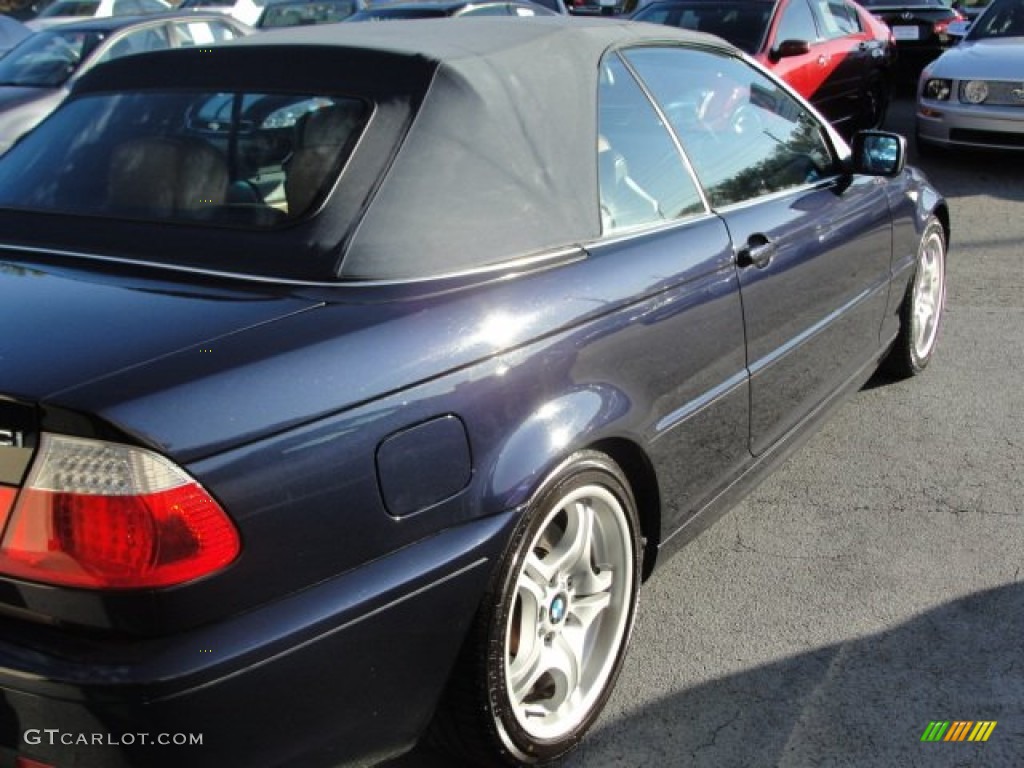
498,159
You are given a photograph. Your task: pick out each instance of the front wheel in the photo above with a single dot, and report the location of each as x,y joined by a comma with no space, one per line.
921,312
551,636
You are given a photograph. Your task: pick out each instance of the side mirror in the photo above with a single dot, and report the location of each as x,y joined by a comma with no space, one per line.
791,48
959,28
879,153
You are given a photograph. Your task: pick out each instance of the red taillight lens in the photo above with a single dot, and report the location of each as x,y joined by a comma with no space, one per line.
108,516
941,27
7,495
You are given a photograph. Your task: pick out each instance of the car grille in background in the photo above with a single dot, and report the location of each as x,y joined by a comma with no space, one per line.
1000,93
988,138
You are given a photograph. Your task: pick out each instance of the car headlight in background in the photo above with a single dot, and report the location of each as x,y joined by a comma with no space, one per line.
938,89
974,91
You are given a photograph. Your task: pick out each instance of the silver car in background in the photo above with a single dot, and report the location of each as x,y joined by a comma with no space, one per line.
973,94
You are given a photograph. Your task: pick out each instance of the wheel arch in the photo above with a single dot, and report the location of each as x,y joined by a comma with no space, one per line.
643,482
941,212
595,417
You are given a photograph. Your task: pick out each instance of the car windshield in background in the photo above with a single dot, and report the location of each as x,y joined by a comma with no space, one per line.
742,24
303,12
48,58
248,160
390,14
1004,18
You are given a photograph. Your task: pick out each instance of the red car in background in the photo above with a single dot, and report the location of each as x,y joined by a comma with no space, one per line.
833,52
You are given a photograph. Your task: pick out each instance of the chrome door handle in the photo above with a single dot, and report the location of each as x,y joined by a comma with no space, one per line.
758,252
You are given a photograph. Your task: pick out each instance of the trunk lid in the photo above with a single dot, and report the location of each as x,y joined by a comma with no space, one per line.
64,327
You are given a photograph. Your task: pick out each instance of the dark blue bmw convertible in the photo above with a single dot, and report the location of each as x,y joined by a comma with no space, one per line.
352,379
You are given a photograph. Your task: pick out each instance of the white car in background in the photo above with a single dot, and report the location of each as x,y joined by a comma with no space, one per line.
247,11
63,11
973,94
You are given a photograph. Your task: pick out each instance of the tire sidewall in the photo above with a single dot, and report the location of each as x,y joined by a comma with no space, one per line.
920,362
584,468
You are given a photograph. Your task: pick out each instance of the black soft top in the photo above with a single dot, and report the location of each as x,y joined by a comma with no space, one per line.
496,156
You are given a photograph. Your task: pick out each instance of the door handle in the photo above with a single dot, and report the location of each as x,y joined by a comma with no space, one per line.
758,252
822,60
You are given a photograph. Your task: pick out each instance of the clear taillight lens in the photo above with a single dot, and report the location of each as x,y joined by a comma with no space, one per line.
107,516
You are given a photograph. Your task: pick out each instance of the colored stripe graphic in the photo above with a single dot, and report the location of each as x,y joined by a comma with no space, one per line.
958,730
982,730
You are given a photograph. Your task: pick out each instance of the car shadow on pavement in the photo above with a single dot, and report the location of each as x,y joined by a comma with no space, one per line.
864,702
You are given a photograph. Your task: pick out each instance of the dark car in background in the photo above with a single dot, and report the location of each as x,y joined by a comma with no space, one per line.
835,54
39,73
920,28
300,13
388,443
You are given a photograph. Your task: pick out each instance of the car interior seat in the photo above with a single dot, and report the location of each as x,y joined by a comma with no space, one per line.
319,139
624,203
166,177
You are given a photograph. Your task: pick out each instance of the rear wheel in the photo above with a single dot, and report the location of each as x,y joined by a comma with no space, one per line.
921,312
550,638
875,106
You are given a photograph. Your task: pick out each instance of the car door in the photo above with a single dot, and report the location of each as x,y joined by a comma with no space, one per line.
683,361
812,242
848,49
804,71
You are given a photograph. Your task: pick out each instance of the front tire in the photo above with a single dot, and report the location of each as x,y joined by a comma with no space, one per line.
922,309
551,634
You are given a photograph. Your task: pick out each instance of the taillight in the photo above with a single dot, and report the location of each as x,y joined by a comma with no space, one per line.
109,516
941,27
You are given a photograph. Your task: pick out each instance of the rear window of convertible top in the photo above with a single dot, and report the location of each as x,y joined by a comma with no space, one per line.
247,160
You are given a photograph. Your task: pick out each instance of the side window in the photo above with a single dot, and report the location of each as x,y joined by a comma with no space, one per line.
125,7
641,176
139,41
797,23
500,9
835,16
745,136
193,33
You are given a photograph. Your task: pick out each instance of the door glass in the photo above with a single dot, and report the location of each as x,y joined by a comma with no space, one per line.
745,136
139,41
797,23
193,33
642,177
836,18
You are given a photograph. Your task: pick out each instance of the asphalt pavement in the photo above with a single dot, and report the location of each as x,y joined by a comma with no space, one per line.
874,584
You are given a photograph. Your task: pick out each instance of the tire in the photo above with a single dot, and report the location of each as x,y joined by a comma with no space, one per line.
876,105
551,634
922,308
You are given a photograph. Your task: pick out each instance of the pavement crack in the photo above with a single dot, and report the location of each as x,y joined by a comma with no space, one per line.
714,735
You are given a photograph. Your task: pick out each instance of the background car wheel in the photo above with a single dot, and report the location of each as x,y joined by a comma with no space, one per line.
550,636
921,312
875,105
